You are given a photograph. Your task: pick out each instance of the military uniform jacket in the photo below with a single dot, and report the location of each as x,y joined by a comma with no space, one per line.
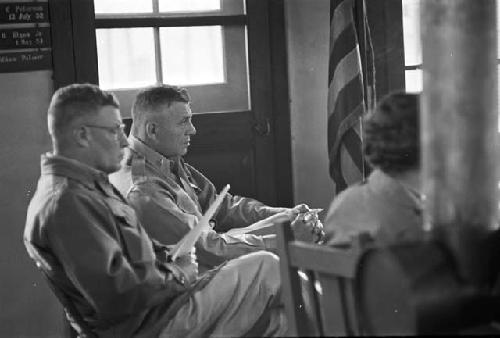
169,196
89,242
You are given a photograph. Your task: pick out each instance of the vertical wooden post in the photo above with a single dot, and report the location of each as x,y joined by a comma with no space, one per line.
445,285
459,126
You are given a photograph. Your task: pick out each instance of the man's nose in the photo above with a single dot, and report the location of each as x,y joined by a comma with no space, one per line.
192,129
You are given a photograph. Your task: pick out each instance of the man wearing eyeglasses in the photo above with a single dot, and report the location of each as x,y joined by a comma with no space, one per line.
112,279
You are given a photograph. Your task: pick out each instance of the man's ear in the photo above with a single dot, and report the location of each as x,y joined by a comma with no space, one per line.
151,130
81,136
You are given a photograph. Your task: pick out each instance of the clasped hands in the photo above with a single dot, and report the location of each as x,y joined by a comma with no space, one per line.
305,224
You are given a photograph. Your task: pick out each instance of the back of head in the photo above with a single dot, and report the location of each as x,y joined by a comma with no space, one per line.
152,100
392,133
73,102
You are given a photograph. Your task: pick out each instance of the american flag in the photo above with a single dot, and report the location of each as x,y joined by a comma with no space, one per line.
351,90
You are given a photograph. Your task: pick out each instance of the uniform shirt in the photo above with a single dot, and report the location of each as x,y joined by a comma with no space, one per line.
169,196
381,206
89,242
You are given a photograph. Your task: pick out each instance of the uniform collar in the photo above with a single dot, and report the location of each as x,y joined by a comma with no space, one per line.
157,160
63,166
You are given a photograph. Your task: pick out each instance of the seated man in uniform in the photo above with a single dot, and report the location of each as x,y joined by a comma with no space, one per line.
113,280
388,205
169,195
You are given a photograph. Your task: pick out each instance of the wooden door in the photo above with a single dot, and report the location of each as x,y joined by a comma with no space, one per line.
239,121
237,147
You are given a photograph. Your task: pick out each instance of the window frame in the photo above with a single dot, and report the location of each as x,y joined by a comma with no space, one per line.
157,21
231,95
418,66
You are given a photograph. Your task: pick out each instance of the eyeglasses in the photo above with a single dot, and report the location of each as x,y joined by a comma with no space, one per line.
113,130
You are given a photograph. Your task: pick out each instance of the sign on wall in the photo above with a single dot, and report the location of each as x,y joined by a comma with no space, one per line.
24,12
24,37
25,61
37,37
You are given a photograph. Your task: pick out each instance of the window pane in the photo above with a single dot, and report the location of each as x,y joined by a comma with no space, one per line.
413,80
216,7
192,55
189,5
123,6
126,57
233,94
411,32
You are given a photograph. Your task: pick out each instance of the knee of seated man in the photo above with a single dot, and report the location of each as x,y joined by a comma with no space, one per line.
267,258
267,265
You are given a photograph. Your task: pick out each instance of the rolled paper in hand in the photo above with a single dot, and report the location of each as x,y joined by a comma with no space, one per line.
185,245
260,227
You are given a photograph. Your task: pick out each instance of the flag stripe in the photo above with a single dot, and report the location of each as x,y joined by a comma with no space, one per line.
346,91
336,172
357,128
348,122
349,97
339,20
347,166
350,170
345,43
346,70
352,144
350,100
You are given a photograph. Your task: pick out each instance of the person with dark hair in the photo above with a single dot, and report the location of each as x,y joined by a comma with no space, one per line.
170,196
388,204
111,277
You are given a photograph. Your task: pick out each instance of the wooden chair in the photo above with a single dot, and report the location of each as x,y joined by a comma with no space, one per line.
330,289
77,325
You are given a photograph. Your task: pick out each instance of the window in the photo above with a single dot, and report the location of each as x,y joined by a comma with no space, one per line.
413,48
199,44
412,45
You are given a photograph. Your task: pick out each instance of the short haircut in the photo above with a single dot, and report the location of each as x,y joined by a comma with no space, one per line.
152,99
74,101
392,133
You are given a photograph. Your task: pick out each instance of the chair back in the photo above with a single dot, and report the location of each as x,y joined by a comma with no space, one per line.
75,319
329,292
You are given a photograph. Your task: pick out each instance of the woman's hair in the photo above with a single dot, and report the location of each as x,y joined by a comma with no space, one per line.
392,133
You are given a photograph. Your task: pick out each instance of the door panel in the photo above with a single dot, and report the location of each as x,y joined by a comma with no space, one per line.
223,150
235,144
261,93
232,166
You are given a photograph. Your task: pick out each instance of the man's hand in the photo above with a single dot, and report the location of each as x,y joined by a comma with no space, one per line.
189,265
307,227
298,210
185,268
289,214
